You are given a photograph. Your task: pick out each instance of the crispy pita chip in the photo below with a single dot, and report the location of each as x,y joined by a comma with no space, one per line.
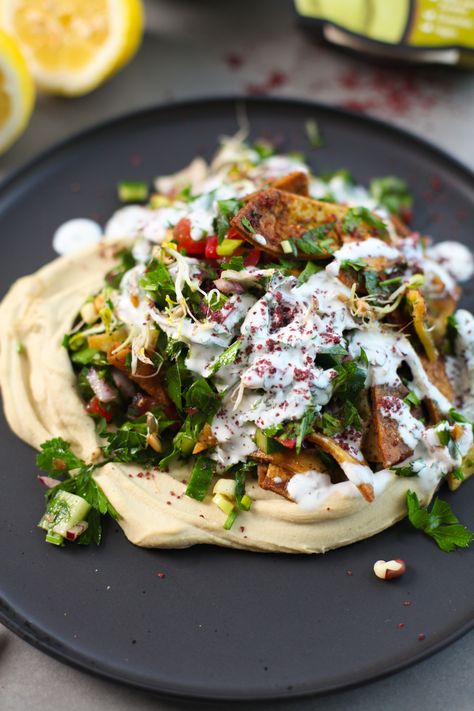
389,448
146,376
296,182
436,372
343,458
278,216
274,478
417,308
205,440
292,461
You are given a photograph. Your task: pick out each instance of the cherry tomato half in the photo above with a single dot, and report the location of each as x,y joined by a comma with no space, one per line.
182,235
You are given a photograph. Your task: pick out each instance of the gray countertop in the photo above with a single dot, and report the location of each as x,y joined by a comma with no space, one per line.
205,48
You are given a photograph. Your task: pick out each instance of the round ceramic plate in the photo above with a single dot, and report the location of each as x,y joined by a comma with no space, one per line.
222,624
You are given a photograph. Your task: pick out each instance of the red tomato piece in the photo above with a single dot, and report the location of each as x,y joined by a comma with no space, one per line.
210,251
252,257
94,407
182,235
290,443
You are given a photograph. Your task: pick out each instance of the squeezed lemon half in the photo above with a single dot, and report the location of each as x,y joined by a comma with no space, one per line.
17,92
72,46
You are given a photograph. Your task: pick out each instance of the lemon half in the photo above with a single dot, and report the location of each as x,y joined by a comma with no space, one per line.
17,92
72,46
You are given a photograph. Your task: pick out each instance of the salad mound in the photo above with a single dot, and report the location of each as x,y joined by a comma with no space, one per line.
284,347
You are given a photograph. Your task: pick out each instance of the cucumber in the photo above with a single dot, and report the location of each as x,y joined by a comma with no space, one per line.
64,511
267,445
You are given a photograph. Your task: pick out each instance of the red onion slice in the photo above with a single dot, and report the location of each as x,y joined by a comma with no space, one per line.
226,286
76,530
48,481
102,390
123,383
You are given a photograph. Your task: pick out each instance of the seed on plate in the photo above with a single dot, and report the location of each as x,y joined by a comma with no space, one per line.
386,570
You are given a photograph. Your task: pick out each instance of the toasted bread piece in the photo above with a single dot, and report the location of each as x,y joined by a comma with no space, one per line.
278,216
436,372
389,447
146,376
297,463
343,457
274,478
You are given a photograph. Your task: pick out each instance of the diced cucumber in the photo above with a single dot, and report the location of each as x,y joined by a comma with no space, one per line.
132,191
267,445
64,511
223,503
55,538
200,480
226,487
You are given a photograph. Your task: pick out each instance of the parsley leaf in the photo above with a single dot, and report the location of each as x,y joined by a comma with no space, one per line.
227,357
316,242
349,381
245,222
56,457
236,263
226,210
356,264
361,215
440,523
392,193
310,269
406,470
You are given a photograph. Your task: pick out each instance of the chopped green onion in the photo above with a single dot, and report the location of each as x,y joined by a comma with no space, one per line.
286,247
245,502
55,538
229,522
390,282
223,503
132,191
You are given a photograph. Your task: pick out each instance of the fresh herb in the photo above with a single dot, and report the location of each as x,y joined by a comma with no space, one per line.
57,458
316,242
158,281
306,425
227,357
87,356
236,263
201,477
350,416
331,357
394,281
412,399
356,264
343,173
245,222
440,523
313,133
451,333
328,424
173,383
392,193
407,470
349,381
459,417
264,148
310,269
226,210
444,437
356,216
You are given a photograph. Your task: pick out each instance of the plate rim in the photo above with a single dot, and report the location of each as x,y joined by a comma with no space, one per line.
19,624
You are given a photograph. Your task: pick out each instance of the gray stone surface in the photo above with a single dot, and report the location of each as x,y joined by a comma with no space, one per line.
207,47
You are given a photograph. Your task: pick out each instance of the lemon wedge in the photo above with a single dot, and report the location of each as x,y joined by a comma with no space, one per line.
17,92
72,46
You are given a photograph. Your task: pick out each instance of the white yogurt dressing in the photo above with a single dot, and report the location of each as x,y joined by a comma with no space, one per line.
371,247
76,234
455,257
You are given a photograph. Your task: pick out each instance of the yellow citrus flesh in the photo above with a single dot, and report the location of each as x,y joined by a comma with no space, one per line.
17,92
74,45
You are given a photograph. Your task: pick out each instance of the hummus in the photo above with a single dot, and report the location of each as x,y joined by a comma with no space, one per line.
259,338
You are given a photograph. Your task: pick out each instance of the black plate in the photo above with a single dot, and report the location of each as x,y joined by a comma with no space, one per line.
222,624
